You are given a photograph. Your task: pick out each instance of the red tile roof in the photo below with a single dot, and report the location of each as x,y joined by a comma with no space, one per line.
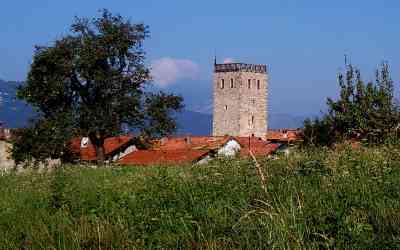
257,146
164,157
179,150
284,135
191,142
88,153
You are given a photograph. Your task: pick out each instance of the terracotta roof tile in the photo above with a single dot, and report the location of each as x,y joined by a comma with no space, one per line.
284,135
257,146
191,142
165,157
175,150
88,153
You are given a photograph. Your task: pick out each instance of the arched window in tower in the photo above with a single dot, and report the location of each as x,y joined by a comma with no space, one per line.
222,83
231,83
249,83
258,84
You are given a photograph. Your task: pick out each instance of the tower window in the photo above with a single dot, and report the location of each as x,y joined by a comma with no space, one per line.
258,84
232,83
222,83
252,119
249,83
226,107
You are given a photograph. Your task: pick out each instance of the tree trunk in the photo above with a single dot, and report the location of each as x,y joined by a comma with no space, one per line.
100,154
98,142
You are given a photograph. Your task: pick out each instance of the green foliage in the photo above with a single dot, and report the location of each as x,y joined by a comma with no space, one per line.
315,199
46,138
96,77
318,132
362,111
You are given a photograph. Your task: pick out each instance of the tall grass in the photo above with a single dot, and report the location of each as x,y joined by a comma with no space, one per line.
313,199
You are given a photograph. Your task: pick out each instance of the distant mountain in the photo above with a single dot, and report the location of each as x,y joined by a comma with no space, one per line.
195,123
15,114
277,120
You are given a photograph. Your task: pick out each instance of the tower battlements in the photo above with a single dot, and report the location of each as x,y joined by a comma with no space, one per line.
240,67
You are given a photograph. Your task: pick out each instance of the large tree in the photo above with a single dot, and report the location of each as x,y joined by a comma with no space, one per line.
92,82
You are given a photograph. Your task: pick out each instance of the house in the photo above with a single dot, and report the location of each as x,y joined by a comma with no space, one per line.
198,150
163,157
114,148
286,136
258,147
180,150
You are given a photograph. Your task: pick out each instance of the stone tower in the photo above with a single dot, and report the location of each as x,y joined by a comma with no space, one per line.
240,100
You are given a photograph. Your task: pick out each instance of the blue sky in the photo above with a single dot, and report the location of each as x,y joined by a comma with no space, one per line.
302,42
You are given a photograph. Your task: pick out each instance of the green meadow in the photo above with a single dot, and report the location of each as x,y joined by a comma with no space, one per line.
314,199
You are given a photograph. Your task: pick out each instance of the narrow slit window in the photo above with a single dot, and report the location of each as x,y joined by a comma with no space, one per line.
258,84
249,83
252,119
232,83
222,83
226,107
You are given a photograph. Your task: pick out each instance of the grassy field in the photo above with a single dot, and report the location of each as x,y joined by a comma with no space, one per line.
315,199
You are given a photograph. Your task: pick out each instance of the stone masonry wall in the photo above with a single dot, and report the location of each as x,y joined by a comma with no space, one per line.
226,104
240,111
6,163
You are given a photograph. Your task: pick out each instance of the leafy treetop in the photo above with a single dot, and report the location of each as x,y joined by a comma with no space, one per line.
92,83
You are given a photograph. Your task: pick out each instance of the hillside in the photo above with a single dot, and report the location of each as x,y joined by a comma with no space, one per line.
195,123
323,199
15,113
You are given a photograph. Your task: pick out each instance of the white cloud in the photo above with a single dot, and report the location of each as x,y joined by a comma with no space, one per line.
166,70
229,60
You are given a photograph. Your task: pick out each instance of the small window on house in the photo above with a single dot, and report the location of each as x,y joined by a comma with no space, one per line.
231,83
249,83
226,107
222,83
253,101
258,84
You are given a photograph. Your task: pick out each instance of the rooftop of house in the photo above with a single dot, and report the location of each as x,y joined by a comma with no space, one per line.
87,152
173,150
257,146
190,142
163,157
189,149
285,135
